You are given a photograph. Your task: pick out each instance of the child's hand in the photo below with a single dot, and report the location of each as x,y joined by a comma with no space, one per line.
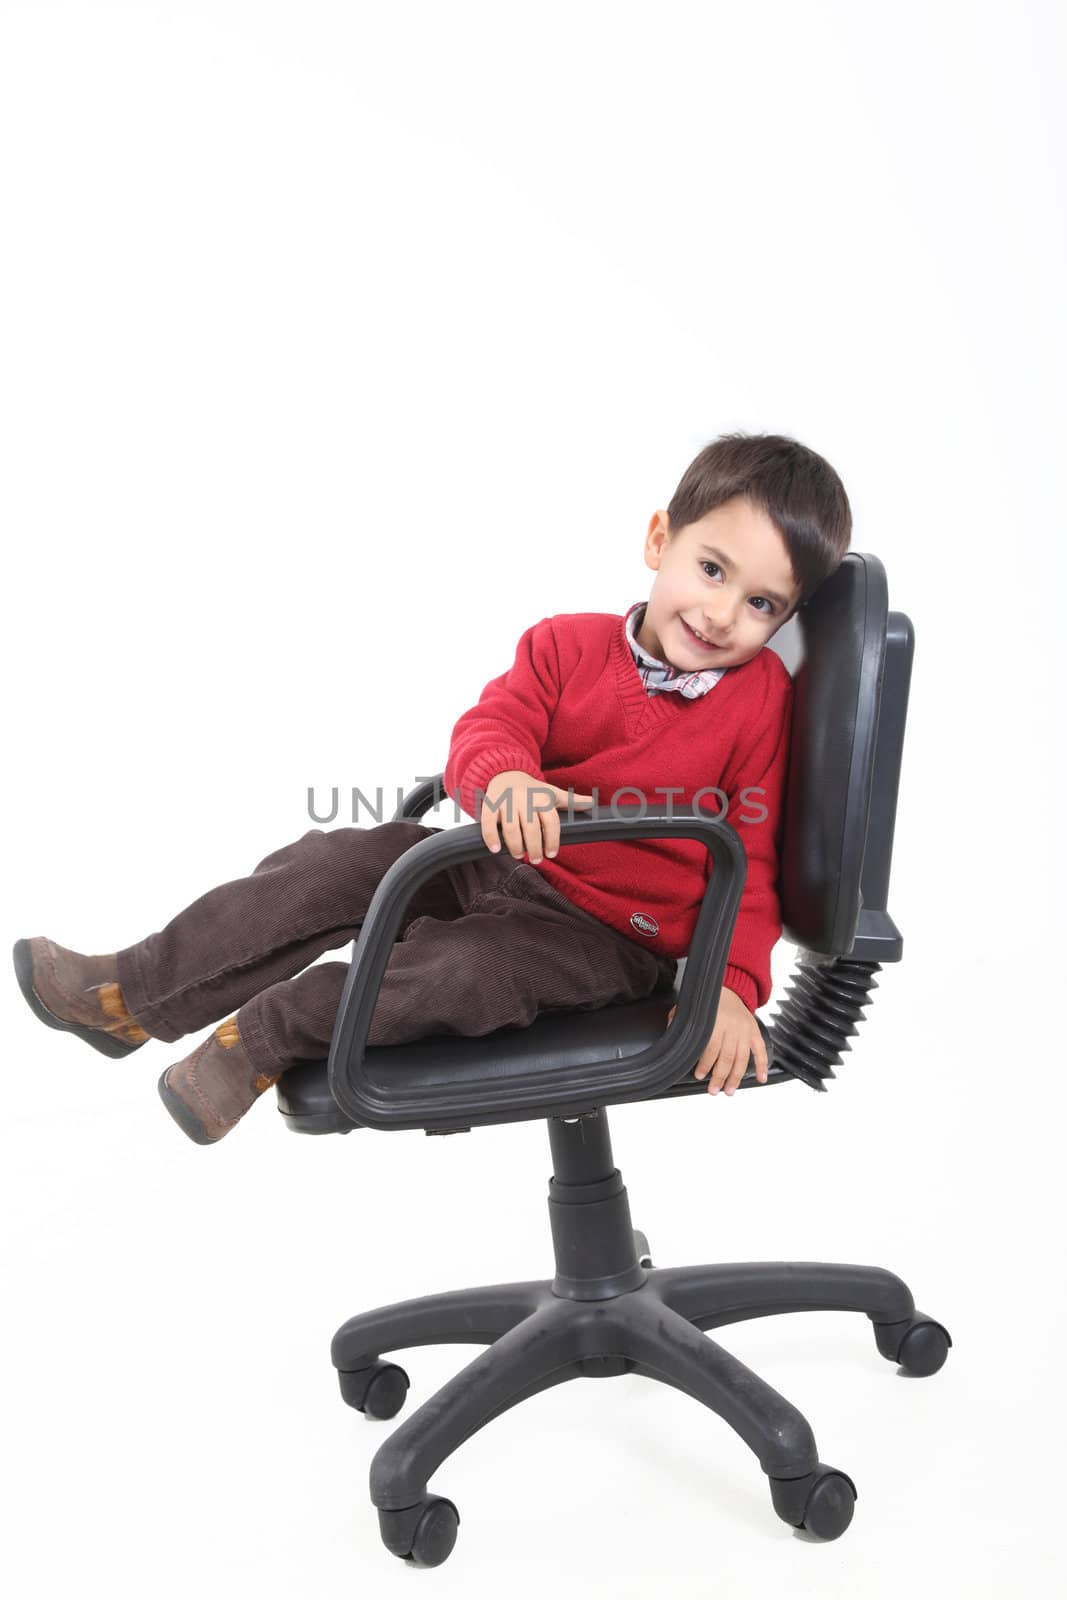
735,1034
521,815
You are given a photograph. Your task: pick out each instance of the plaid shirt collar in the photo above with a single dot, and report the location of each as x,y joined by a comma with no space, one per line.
660,677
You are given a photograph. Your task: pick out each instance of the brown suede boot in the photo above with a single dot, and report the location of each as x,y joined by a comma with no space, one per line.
209,1092
80,994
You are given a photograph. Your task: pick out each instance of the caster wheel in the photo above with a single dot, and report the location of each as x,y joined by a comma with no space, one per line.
820,1502
378,1391
434,1523
919,1345
924,1348
644,1256
830,1504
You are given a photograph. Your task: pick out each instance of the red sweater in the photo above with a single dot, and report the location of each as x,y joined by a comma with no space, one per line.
573,711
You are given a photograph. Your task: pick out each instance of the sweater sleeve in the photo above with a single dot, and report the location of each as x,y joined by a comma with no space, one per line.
758,787
507,728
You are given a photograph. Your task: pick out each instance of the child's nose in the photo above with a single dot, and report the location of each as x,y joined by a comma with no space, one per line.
721,621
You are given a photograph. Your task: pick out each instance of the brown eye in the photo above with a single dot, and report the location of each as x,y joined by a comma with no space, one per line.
768,607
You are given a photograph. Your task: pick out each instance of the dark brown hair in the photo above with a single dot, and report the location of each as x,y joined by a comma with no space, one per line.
799,491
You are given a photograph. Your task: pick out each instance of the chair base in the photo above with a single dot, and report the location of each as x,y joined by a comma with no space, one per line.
615,1314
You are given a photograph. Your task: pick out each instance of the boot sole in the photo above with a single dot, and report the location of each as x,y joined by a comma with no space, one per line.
104,1042
183,1116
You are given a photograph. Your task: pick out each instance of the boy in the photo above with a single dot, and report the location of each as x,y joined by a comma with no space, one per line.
674,702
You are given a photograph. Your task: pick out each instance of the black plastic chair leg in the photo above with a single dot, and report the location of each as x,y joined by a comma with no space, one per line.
534,1355
713,1295
666,1346
456,1316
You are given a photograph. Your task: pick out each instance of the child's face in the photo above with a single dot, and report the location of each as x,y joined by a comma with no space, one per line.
738,598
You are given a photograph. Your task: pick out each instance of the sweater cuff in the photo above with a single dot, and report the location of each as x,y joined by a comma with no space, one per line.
743,985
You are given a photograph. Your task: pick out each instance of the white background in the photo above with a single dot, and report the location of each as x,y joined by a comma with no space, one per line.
341,343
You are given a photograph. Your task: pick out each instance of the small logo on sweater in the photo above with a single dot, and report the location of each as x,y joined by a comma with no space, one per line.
643,923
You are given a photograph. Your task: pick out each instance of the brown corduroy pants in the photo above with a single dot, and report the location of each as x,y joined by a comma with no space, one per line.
483,945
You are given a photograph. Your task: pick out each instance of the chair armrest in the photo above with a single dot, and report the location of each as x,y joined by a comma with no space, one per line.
548,1092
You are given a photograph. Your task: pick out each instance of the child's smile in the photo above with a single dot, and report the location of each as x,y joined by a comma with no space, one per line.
709,645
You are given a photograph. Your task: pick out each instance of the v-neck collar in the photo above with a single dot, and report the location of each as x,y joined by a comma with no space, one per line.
641,709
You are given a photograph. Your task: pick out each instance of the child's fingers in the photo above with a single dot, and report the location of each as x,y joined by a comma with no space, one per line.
531,830
745,1055
552,818
740,1067
724,1069
565,798
710,1061
513,837
526,828
548,831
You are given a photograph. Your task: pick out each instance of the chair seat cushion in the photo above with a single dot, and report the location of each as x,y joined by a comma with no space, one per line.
554,1039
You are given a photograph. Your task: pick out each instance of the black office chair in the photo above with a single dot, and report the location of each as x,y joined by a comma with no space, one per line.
608,1311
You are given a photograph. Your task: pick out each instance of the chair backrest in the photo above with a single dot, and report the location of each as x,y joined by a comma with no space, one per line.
850,661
